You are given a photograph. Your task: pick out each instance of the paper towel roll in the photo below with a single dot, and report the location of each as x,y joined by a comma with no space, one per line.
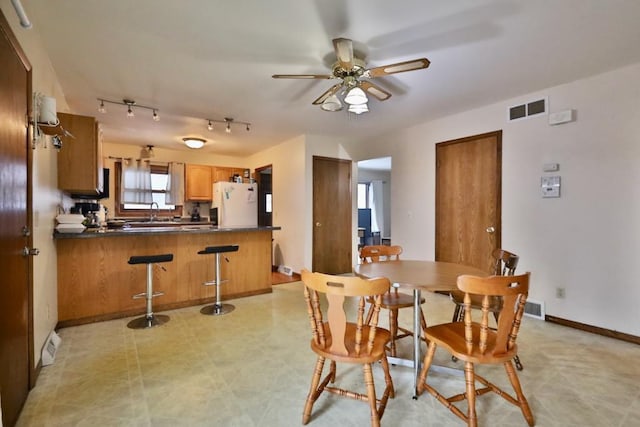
48,111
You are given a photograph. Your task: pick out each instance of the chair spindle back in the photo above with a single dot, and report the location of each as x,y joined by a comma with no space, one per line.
513,291
336,290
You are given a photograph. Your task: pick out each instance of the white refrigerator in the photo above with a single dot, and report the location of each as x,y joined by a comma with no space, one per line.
236,204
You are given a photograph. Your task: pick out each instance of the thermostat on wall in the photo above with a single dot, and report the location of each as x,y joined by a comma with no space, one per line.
550,186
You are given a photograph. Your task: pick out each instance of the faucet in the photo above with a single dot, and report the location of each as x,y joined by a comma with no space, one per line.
152,216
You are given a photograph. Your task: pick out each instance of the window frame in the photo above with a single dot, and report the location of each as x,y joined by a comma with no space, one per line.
120,211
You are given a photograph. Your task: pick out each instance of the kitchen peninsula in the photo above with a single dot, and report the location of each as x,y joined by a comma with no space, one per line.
96,283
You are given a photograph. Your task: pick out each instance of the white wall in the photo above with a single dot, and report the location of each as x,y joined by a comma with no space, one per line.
288,186
46,196
586,241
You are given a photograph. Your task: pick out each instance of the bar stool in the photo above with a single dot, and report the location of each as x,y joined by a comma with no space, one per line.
149,320
218,308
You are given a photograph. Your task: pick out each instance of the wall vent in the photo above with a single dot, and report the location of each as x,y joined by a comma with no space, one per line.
50,349
528,109
284,269
534,309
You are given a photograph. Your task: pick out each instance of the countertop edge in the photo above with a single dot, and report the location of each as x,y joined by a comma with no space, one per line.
169,230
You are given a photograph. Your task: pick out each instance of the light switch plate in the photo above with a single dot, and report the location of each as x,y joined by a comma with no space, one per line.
550,186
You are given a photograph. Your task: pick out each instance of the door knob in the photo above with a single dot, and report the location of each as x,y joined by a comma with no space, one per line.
318,224
30,251
491,230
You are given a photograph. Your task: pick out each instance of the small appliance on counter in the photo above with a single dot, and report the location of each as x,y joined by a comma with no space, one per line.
195,213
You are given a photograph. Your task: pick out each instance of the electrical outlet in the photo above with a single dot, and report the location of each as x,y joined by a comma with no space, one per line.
560,293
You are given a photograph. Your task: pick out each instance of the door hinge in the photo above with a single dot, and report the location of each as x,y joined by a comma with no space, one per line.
30,251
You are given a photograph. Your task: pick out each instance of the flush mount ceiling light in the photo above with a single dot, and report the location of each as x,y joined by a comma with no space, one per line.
228,121
194,142
130,104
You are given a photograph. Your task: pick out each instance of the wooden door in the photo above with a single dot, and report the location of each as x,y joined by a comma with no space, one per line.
332,215
468,199
16,336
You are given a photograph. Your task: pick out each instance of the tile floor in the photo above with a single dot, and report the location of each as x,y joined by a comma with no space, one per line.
253,367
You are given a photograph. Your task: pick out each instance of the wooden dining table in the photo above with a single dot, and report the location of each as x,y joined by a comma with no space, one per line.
418,276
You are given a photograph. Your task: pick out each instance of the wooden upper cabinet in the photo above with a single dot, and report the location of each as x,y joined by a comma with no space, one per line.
198,182
222,173
80,158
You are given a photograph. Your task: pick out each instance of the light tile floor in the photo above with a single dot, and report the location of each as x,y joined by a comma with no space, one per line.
253,368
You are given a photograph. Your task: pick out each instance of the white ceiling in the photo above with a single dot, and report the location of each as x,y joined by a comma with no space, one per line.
197,59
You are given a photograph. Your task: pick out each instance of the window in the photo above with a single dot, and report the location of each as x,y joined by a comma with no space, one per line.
363,196
268,208
159,177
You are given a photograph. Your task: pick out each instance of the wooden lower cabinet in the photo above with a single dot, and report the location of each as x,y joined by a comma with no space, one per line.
96,283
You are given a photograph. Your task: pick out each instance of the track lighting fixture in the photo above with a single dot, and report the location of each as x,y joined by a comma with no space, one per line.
228,121
131,104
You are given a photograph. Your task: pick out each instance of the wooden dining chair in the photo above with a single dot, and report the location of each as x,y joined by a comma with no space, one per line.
339,340
392,300
477,344
505,263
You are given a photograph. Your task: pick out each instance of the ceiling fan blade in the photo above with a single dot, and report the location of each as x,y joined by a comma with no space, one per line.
302,76
375,91
400,67
332,90
344,52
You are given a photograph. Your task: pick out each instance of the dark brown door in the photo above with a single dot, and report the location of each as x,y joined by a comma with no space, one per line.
468,199
332,215
15,313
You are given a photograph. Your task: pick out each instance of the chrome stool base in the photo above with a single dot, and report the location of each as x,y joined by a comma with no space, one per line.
217,309
148,321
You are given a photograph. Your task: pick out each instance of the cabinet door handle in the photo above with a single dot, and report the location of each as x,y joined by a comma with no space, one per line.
318,224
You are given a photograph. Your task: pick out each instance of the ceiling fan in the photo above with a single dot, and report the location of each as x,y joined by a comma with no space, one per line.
354,78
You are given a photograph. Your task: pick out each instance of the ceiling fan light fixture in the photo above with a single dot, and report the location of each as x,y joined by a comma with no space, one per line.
356,96
332,103
359,108
194,143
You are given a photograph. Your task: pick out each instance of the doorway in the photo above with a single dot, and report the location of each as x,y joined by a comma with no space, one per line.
16,300
264,178
468,199
374,201
332,209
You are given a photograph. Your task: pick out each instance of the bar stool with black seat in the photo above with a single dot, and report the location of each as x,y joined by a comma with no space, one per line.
218,308
150,319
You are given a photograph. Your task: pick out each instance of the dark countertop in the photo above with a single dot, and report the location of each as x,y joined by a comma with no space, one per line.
157,230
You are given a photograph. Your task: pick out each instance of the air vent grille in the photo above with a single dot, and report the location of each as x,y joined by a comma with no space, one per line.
528,109
534,309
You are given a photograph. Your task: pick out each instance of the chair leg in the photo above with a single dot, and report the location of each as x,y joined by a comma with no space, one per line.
387,379
313,390
470,381
393,328
371,394
515,383
428,358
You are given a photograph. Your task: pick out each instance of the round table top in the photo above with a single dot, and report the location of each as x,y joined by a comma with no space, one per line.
433,276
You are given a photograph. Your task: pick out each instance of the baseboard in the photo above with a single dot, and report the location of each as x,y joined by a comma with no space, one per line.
594,329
